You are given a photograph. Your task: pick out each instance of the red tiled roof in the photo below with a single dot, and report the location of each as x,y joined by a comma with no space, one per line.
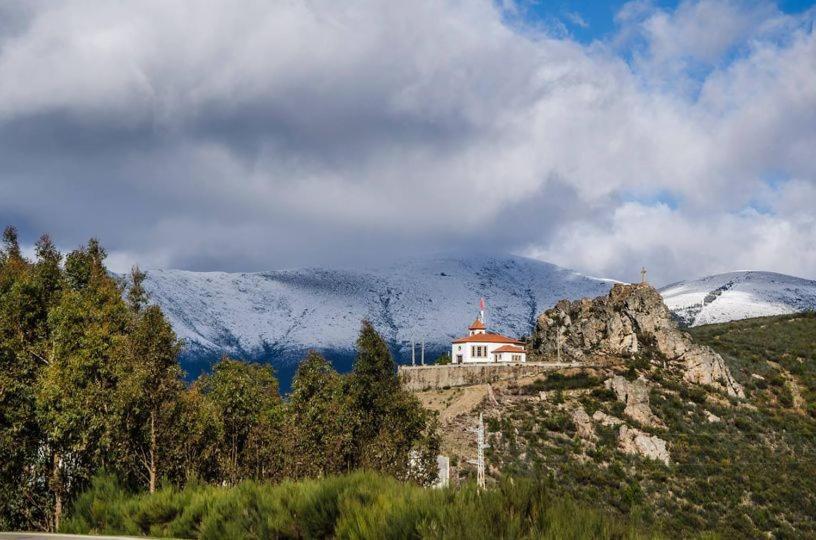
487,337
477,325
509,348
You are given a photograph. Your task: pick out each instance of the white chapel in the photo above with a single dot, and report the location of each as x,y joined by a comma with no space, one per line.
481,346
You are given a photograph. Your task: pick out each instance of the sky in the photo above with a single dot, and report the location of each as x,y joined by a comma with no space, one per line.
257,135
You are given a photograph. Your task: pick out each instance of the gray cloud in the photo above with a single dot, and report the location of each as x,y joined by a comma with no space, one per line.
203,136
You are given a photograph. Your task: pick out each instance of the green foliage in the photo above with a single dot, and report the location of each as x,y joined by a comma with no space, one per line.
360,505
390,424
443,360
559,381
763,346
90,380
751,474
320,421
246,400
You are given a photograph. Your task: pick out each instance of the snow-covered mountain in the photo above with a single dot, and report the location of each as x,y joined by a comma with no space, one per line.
738,295
277,316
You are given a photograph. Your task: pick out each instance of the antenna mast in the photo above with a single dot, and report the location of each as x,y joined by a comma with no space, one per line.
480,448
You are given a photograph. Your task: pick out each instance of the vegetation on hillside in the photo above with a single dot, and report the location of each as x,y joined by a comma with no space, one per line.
90,380
740,468
765,352
359,505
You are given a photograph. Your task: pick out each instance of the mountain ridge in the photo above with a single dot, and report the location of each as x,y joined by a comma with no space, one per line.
277,316
740,295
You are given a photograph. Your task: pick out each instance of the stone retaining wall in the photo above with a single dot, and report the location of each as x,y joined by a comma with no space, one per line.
436,377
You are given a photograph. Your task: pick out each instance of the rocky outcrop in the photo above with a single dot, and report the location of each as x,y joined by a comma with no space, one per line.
583,424
631,319
606,419
635,441
635,395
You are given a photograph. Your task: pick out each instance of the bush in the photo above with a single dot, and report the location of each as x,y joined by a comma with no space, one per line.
359,505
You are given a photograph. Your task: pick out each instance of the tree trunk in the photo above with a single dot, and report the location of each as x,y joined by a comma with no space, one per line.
152,452
56,488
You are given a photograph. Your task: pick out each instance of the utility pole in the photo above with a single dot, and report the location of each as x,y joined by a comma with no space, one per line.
413,353
480,448
423,351
480,463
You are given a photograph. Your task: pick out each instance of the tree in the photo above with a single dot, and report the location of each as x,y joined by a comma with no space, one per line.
373,381
245,396
27,294
11,245
137,295
149,385
88,329
394,434
320,421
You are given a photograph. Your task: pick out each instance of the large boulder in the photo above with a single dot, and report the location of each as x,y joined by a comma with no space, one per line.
631,319
635,395
635,441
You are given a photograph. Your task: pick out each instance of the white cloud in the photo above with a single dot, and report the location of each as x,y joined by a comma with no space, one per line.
205,136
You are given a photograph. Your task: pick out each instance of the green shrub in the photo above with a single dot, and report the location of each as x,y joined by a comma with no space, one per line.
359,505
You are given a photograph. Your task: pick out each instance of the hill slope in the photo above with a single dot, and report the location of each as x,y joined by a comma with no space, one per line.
278,315
634,435
738,295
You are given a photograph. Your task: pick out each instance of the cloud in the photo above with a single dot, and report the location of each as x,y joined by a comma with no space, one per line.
203,136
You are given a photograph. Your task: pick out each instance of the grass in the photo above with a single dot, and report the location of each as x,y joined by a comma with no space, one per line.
358,505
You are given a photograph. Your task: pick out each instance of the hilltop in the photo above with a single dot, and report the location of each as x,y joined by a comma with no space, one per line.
709,431
738,295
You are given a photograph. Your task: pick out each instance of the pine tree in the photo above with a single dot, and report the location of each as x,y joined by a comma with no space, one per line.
11,244
394,433
137,295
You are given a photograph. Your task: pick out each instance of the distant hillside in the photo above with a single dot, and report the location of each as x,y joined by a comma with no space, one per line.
738,295
769,347
276,316
637,436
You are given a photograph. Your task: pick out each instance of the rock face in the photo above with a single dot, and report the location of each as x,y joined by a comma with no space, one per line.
631,319
635,441
636,397
583,424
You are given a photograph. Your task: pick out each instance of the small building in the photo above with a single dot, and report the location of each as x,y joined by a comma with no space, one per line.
481,346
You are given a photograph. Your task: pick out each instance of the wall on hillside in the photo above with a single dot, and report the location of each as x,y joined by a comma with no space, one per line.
436,377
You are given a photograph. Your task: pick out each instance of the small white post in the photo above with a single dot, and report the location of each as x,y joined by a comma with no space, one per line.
413,353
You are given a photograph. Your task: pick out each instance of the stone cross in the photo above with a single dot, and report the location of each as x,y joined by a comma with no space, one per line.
643,275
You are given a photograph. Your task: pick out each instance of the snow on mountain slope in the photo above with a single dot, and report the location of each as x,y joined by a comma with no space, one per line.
738,295
277,316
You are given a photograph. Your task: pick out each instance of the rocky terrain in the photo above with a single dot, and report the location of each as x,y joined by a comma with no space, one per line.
631,320
656,426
